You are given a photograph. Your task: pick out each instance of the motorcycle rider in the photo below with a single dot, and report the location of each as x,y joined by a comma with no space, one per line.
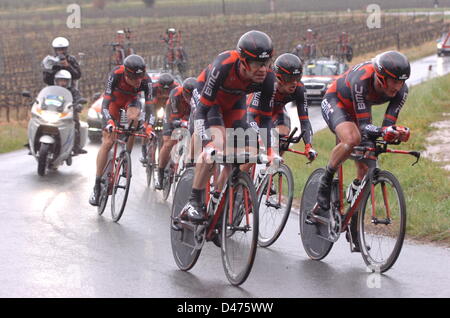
65,62
64,79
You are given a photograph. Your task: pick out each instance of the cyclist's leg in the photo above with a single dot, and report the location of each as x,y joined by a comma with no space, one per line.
102,158
343,125
133,115
282,124
165,151
164,155
194,210
147,111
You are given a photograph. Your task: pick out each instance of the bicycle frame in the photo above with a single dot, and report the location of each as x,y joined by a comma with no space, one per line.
219,207
114,175
354,206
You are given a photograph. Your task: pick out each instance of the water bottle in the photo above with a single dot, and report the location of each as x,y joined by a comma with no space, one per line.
123,119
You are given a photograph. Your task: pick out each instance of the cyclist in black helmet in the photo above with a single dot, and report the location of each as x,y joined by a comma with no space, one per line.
123,88
178,110
288,70
155,108
346,108
222,104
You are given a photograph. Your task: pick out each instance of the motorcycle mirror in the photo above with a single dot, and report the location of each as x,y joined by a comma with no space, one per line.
26,94
96,96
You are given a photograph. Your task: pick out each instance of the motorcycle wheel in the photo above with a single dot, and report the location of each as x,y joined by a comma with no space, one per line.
42,161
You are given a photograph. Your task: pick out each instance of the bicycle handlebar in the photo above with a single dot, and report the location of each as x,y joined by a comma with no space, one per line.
238,159
381,147
291,138
130,130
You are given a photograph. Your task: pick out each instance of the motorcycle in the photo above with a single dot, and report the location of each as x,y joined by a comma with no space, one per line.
51,129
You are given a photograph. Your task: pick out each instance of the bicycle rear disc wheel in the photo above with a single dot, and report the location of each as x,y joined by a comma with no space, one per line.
315,246
183,240
275,206
121,186
240,234
381,243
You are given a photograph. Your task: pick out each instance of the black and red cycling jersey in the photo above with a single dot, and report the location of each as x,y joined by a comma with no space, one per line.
158,98
351,96
176,106
119,94
224,92
159,101
176,109
266,114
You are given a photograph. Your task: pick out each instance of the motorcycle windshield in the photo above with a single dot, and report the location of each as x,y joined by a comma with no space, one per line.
54,98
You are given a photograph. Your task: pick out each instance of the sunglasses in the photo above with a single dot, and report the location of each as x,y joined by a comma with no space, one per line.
286,78
259,64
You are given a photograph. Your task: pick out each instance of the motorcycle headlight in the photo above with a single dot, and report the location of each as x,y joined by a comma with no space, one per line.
92,113
439,45
160,113
50,117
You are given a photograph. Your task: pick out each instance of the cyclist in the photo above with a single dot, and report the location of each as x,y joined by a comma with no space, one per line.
122,91
222,104
161,89
346,108
63,78
288,70
178,109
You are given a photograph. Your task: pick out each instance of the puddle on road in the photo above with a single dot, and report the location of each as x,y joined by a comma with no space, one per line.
438,148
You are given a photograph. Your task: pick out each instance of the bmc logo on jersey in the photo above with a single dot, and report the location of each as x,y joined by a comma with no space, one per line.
264,55
211,82
359,98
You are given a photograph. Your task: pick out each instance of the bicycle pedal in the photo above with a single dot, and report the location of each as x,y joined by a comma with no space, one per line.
309,221
175,226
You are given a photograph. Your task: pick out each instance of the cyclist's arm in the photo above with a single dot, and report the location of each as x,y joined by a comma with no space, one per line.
395,106
172,110
147,88
214,79
264,111
302,112
107,97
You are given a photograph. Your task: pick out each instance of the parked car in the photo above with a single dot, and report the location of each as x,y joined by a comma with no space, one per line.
318,76
443,44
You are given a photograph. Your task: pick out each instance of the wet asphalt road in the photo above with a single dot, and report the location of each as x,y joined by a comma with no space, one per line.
55,245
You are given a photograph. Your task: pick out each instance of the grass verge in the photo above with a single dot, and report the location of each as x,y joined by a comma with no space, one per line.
13,136
426,185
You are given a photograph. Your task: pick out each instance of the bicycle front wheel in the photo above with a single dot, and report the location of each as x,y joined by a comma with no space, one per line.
122,178
382,222
275,204
104,188
240,229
